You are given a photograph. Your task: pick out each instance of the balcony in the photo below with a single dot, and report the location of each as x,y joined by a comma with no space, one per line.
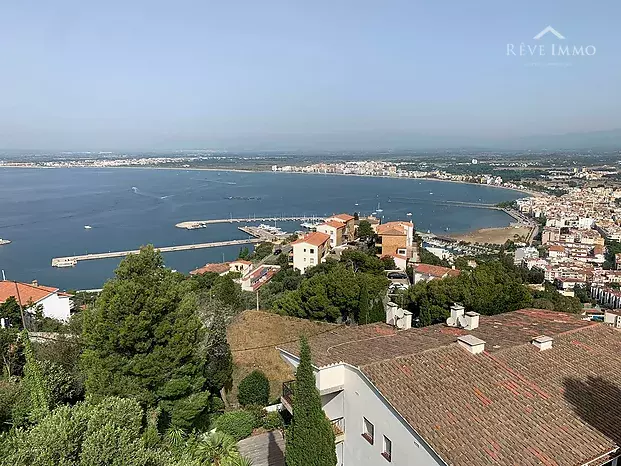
338,424
338,427
287,395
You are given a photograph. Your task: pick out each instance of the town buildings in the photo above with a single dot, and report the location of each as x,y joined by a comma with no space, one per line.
396,239
426,273
53,303
310,250
335,230
530,387
222,268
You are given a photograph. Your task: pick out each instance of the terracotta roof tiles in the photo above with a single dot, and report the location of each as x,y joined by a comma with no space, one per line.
512,404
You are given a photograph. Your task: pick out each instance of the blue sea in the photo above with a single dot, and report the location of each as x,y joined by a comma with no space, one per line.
44,211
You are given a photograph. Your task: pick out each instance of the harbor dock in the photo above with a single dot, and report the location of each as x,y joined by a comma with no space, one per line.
194,224
71,261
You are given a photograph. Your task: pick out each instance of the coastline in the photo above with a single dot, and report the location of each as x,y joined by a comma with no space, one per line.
247,170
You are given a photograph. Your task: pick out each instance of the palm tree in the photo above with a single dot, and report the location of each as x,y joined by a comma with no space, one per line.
221,450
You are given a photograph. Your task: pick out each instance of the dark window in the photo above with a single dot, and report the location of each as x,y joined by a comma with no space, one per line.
367,430
387,448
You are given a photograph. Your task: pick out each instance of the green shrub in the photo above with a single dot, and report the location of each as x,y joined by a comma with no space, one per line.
254,389
272,421
258,412
237,424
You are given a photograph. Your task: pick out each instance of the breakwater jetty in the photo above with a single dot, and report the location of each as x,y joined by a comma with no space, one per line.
71,261
194,224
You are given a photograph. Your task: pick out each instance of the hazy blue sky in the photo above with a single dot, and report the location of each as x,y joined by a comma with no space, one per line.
164,74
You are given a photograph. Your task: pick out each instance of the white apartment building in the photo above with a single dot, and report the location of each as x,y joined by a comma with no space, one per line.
474,391
310,250
54,303
335,230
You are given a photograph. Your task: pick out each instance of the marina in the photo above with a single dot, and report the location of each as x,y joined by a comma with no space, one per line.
196,224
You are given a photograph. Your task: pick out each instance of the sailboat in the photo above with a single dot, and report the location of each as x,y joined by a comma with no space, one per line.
409,214
378,208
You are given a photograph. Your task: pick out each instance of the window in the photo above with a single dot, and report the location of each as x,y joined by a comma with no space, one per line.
401,251
312,260
367,430
387,448
312,251
304,249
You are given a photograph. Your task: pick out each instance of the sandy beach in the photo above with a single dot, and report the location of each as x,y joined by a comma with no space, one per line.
493,235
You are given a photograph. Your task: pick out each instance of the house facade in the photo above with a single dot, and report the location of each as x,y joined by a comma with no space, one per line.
54,303
310,250
350,225
469,392
336,230
396,238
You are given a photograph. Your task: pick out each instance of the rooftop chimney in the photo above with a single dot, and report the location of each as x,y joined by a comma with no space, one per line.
398,317
542,342
471,344
457,316
35,283
472,320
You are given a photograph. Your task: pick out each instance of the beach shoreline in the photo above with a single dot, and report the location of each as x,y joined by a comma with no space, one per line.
247,170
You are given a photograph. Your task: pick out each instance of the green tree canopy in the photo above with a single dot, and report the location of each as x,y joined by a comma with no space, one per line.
141,337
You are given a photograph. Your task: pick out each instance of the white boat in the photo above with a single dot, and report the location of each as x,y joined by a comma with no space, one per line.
4,241
409,214
87,227
356,203
378,208
373,213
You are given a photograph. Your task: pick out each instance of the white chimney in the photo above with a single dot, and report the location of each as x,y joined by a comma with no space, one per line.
471,344
398,317
457,316
543,342
472,320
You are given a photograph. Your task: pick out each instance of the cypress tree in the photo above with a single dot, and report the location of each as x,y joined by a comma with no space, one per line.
219,363
363,307
310,438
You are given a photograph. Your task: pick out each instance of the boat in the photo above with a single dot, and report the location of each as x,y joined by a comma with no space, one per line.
4,241
373,213
378,208
310,225
409,214
356,203
87,227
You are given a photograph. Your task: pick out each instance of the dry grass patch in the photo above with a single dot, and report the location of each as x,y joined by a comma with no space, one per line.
253,336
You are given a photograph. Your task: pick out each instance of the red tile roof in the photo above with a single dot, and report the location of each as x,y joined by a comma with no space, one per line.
216,268
316,239
241,261
436,270
394,228
333,224
344,217
512,404
27,292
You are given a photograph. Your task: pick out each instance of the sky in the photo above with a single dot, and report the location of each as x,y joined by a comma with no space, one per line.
121,75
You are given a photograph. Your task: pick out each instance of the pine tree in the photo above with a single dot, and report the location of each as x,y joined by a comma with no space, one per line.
310,438
219,364
363,307
142,335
